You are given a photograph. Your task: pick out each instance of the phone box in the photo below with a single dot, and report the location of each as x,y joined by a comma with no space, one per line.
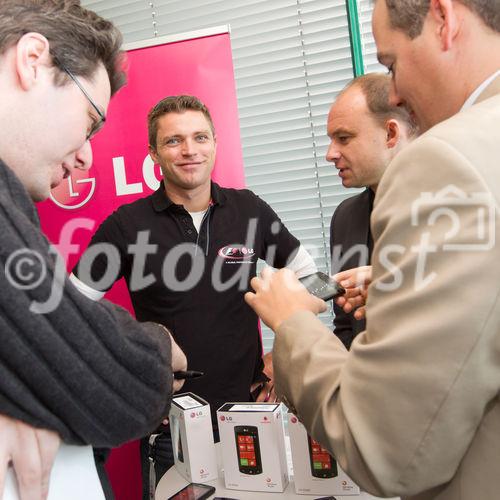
192,438
253,446
315,471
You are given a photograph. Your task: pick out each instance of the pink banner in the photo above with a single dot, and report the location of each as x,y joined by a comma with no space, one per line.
122,170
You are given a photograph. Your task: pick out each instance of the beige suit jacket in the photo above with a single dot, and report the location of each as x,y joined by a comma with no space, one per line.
414,408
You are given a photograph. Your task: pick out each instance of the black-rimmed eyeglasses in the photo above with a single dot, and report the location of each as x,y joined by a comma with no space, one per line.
96,125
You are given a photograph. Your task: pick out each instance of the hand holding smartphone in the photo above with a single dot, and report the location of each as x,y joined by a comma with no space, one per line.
321,285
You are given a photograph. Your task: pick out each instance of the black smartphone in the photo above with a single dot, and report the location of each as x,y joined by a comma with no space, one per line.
323,465
194,491
321,285
248,449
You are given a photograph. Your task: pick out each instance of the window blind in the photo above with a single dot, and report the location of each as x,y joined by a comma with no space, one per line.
365,8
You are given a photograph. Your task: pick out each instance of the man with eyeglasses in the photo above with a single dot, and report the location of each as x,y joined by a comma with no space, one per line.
84,372
97,123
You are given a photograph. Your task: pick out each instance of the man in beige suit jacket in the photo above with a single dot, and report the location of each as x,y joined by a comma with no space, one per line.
414,408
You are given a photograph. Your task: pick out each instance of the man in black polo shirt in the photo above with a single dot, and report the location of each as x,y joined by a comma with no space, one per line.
188,252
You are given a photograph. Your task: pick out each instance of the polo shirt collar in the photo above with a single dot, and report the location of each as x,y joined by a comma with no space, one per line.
217,194
162,202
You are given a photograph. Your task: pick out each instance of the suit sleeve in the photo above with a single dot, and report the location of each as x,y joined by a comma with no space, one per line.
86,370
401,408
342,324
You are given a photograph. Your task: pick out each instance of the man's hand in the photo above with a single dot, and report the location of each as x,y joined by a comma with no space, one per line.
32,453
267,394
356,282
280,294
179,362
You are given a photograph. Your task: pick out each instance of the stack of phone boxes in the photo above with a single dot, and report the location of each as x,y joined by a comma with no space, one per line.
315,471
192,438
253,446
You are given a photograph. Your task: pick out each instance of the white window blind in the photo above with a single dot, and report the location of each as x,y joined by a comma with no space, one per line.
370,63
291,57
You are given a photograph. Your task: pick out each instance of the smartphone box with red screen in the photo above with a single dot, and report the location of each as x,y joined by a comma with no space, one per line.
253,446
192,438
315,471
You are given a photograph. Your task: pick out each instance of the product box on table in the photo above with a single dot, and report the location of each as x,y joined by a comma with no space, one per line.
192,438
315,471
252,439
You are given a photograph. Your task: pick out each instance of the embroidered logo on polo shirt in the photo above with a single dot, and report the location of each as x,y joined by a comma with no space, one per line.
236,253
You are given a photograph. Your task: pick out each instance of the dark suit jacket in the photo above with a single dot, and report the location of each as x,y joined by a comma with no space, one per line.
350,232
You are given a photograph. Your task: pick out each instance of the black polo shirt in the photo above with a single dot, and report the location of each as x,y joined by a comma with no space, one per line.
196,281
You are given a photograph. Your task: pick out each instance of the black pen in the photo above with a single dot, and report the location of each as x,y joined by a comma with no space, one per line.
187,374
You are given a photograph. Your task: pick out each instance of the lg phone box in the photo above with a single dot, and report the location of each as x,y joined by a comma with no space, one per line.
315,471
253,446
192,438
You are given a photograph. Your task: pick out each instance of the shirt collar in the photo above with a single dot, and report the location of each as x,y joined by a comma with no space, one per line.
472,98
162,202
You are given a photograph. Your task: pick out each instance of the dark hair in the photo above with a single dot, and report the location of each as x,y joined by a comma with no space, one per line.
376,87
409,15
78,38
175,104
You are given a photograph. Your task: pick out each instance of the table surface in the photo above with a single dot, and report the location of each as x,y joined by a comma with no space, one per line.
171,482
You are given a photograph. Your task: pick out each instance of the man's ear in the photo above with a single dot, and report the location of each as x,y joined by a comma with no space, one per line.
152,154
444,15
32,54
393,133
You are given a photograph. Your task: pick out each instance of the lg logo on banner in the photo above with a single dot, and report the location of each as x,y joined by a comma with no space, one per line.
72,193
76,196
148,174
